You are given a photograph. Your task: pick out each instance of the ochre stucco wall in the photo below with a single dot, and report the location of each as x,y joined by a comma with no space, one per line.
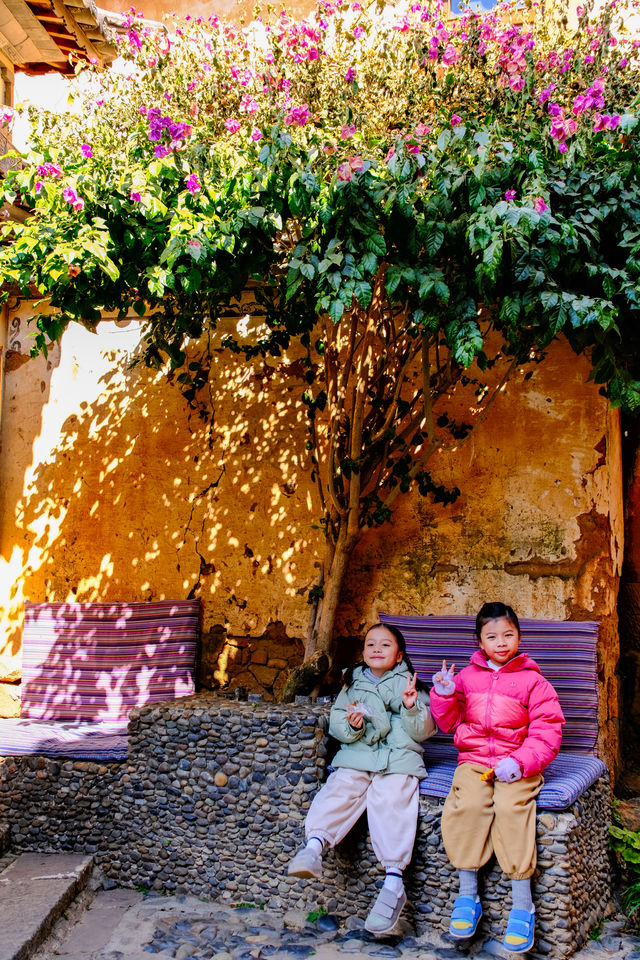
111,490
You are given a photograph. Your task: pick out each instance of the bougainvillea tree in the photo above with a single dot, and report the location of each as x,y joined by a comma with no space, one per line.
417,200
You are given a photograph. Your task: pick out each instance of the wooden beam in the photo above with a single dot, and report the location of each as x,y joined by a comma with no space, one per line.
75,28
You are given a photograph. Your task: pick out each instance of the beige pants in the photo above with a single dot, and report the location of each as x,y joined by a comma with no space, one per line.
391,802
480,818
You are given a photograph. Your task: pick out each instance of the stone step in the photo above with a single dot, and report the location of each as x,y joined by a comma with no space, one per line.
4,837
34,890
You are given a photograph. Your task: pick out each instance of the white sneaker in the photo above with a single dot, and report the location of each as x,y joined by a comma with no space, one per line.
385,911
306,863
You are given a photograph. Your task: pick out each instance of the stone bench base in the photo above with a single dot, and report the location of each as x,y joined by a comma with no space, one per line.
212,801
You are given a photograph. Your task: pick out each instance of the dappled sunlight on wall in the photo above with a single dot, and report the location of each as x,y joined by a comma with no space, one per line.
119,492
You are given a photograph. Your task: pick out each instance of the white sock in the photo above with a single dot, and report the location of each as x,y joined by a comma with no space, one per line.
316,845
393,882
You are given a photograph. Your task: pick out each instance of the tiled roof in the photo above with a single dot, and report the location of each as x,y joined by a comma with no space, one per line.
41,35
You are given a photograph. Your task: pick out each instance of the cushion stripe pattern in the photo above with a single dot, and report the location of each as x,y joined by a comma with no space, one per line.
76,740
97,661
565,779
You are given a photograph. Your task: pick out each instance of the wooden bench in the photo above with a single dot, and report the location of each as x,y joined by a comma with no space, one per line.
85,666
572,882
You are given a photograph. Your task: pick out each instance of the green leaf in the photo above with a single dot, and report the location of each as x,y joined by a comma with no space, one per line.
307,270
192,280
375,243
444,140
336,311
370,262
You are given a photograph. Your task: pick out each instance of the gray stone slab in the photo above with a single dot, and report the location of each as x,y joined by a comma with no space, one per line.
34,891
43,866
96,926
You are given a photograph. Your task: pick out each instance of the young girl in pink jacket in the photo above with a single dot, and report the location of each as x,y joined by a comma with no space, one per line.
508,728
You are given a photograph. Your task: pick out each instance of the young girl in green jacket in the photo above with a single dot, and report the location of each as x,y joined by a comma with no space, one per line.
380,717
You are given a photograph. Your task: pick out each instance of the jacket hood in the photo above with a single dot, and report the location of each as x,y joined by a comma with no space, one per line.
521,661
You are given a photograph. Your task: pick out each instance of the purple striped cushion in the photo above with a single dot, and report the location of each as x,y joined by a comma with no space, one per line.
564,650
96,661
565,779
77,739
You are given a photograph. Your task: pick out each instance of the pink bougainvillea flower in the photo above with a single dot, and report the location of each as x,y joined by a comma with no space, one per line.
605,121
455,120
350,75
8,116
143,111
232,125
356,163
422,130
248,104
344,171
86,150
298,115
50,170
38,187
562,147
539,205
256,134
509,194
193,184
544,95
135,196
357,32
450,55
73,199
347,131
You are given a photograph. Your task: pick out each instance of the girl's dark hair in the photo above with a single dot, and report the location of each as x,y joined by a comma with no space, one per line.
402,646
494,611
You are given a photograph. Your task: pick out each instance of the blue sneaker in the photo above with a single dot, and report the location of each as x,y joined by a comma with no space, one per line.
465,916
518,937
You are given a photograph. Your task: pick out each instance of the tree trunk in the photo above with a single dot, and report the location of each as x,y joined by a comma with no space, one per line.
317,656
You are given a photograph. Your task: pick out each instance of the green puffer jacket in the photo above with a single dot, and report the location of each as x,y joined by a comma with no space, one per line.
389,740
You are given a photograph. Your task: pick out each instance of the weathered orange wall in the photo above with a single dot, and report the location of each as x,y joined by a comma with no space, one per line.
111,490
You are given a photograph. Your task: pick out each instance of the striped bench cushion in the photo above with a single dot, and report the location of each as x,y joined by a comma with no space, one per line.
565,779
97,661
564,650
74,739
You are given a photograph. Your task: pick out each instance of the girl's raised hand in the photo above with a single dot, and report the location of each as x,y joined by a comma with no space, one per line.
410,694
443,682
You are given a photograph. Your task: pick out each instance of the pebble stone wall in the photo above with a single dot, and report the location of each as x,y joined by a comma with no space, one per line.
212,801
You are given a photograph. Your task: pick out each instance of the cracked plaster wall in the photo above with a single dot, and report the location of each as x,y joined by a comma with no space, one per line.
110,490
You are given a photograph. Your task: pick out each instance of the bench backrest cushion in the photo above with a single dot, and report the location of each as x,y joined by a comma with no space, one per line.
564,650
97,661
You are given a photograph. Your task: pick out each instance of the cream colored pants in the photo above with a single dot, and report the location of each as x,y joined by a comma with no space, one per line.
391,802
480,818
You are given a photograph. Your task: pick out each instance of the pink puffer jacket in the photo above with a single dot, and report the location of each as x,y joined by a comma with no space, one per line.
511,712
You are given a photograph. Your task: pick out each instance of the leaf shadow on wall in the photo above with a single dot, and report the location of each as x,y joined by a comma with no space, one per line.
140,499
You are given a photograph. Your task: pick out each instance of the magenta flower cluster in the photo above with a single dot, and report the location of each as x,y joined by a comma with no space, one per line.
176,131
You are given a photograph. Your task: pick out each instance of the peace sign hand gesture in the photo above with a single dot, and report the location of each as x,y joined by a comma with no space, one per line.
410,694
443,682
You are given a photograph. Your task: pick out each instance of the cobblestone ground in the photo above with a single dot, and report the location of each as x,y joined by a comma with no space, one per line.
123,924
